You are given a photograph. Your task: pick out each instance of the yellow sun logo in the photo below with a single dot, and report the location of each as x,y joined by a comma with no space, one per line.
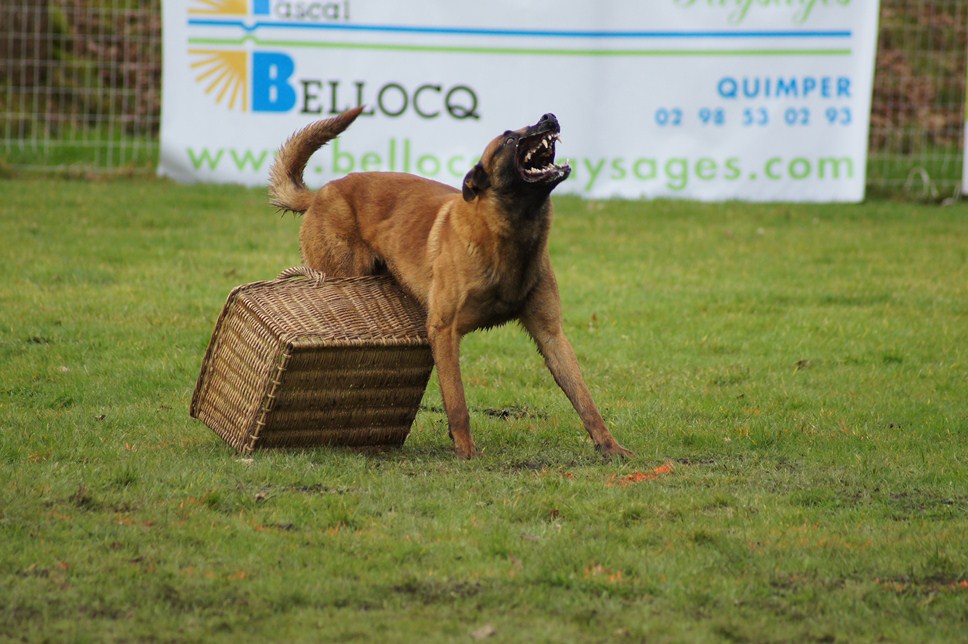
220,7
222,71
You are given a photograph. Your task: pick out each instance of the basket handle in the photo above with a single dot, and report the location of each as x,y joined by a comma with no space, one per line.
303,271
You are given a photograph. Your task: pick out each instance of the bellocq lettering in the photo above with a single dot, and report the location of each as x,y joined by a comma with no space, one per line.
428,101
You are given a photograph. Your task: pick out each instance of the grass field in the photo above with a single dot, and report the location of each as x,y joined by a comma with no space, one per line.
793,380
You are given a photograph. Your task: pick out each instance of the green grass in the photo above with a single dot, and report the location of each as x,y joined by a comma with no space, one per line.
804,370
81,153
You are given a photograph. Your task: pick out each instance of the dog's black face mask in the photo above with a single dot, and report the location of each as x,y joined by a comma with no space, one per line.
519,163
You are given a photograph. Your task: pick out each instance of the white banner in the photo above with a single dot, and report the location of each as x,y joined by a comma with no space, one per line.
702,99
964,151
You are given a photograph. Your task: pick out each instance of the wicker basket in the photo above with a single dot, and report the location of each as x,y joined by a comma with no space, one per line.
306,361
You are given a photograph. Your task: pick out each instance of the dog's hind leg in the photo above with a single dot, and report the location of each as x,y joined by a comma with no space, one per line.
330,239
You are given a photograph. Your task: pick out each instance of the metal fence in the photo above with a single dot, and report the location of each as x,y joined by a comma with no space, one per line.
80,85
80,90
918,114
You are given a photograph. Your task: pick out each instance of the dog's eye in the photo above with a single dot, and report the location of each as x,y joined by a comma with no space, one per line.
508,141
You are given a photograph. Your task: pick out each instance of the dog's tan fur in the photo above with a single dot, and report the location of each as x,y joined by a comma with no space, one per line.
474,258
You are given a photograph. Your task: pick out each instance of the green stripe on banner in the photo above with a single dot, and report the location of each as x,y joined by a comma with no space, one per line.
518,51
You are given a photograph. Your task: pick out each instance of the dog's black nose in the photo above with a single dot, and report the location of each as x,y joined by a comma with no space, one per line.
547,117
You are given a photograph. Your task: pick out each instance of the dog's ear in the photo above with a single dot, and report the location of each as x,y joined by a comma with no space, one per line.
475,182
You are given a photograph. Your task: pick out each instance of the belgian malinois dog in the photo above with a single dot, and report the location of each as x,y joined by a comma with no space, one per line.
474,258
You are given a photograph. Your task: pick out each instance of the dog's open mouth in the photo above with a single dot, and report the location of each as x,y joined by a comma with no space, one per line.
536,158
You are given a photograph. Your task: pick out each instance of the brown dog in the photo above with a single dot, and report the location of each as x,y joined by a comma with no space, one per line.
474,258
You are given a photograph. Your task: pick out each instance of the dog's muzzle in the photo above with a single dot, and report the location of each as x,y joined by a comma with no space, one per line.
536,153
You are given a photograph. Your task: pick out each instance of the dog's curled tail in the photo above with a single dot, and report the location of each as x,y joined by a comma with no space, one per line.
287,190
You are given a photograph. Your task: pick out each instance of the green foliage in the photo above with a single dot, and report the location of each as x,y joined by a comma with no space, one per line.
792,379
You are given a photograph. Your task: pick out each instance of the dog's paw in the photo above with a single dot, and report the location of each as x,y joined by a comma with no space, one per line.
613,450
466,452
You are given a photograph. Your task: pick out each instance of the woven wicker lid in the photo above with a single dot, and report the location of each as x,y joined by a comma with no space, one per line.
371,309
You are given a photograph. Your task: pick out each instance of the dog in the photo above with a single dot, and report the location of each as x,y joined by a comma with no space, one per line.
474,258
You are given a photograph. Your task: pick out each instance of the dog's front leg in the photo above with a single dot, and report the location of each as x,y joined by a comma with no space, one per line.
542,319
445,344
